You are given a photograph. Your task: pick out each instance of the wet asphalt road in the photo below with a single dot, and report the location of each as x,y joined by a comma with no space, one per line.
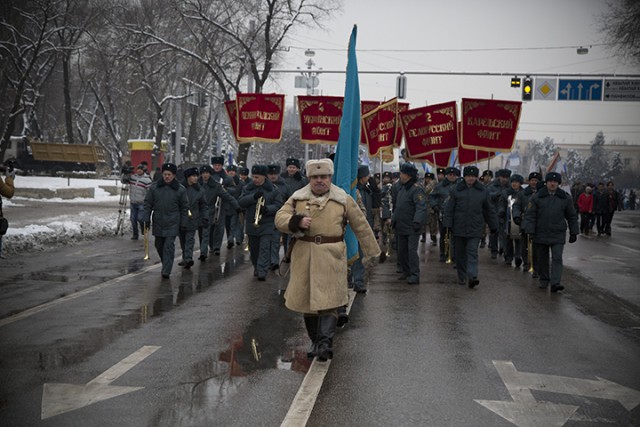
231,354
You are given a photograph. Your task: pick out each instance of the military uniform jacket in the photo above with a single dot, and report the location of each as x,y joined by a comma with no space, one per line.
520,206
386,201
281,186
169,205
440,193
319,270
367,201
295,181
547,217
503,202
230,185
213,190
197,206
467,210
272,202
411,207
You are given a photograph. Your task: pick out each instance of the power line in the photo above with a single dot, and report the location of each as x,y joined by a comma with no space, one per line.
496,49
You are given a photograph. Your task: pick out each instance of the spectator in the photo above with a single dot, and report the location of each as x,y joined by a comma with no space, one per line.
7,190
585,207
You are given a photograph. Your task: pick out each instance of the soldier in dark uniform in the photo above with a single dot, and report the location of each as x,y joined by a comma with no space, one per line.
465,213
259,222
366,196
513,247
386,209
167,206
198,216
235,234
409,215
440,175
292,176
501,183
219,175
437,199
485,180
519,209
546,218
429,185
273,174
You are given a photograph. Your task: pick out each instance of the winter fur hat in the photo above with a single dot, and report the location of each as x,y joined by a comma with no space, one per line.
363,171
319,167
217,160
170,167
294,162
409,169
471,171
452,170
191,172
518,178
259,170
535,175
554,176
273,169
206,168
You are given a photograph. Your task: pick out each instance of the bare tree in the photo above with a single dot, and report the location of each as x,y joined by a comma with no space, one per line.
27,32
621,26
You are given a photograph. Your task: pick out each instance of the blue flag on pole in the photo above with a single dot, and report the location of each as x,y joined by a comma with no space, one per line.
346,159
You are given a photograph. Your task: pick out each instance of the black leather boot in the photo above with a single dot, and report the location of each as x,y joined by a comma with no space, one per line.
311,323
326,331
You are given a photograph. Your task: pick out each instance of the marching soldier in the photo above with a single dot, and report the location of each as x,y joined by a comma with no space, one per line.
273,173
167,206
198,216
548,213
513,247
215,195
261,201
486,178
429,185
519,209
231,226
385,214
408,218
217,229
366,197
501,183
316,216
292,176
438,197
465,214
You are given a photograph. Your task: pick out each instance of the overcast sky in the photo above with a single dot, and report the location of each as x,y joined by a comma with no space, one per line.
444,26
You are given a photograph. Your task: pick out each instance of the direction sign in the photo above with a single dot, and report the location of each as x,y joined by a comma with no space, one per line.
579,90
622,90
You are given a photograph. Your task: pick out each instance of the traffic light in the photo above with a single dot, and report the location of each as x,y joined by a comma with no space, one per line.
515,81
527,89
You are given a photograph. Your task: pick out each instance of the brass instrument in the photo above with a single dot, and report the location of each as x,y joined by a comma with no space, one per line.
146,241
530,253
447,247
258,215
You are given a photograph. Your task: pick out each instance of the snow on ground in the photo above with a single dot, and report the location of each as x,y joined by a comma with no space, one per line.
58,230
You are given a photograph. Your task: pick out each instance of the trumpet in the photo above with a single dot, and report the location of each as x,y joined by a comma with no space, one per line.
447,247
146,241
530,253
258,215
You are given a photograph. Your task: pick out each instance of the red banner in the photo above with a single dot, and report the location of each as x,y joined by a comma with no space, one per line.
366,107
320,119
489,125
260,117
436,160
232,115
402,107
380,126
430,129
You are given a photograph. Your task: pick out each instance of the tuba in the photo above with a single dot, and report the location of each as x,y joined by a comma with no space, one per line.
258,215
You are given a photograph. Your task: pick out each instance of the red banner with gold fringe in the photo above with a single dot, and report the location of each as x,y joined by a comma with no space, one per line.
232,116
260,117
402,107
320,119
430,129
489,125
380,126
366,107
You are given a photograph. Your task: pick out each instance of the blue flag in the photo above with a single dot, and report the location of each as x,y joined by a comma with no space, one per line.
346,160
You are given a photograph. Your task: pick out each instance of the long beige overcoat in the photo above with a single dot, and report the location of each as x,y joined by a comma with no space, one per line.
319,271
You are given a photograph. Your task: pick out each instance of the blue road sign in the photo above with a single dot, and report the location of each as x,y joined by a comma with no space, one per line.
579,90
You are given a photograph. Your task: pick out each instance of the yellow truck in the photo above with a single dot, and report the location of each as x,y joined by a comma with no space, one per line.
50,158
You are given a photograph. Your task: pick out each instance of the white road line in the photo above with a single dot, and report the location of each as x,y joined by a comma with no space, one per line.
305,399
42,307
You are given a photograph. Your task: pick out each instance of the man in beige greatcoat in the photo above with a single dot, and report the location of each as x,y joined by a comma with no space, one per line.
316,215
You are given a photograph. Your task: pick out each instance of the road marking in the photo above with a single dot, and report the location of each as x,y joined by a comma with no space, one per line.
524,410
60,398
305,399
42,307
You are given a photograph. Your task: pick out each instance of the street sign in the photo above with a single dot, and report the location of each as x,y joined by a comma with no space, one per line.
622,90
579,90
546,89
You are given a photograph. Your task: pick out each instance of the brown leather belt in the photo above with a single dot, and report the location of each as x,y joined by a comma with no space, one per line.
318,239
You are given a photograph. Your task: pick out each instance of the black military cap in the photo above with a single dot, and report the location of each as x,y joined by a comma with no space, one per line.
363,171
440,171
273,169
217,160
206,168
409,169
259,170
553,176
191,172
453,170
487,173
292,161
170,167
232,168
386,174
243,171
536,175
516,177
471,171
429,175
